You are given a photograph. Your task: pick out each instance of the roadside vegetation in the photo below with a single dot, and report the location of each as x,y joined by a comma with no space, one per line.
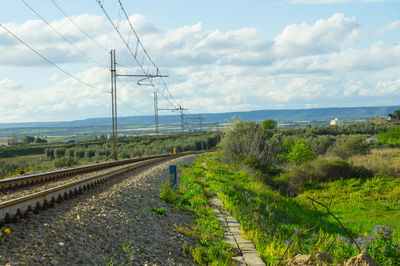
289,188
25,159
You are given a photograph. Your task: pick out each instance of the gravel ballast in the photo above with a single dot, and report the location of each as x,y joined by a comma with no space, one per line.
13,193
93,226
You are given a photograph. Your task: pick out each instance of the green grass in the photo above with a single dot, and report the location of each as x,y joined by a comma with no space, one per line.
272,220
193,195
26,158
362,204
160,211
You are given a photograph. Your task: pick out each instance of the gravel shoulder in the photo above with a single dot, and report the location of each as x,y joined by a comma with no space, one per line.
93,226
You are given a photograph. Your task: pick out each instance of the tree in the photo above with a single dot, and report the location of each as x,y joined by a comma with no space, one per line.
349,146
14,139
244,140
395,116
49,153
28,139
298,151
40,140
59,153
268,127
269,124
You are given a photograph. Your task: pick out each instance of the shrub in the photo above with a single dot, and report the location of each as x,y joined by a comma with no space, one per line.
59,153
268,127
71,152
349,146
7,169
320,144
389,138
49,154
320,171
90,153
80,154
383,162
63,162
297,151
244,139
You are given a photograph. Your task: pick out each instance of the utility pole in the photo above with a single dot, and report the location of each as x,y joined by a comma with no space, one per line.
180,109
113,71
140,83
156,112
201,130
182,123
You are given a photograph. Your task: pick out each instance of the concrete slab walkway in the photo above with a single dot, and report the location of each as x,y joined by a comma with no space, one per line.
233,236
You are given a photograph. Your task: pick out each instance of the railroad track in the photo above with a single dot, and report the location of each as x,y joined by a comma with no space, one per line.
20,181
14,209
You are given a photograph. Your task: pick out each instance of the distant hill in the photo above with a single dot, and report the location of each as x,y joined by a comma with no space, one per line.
281,115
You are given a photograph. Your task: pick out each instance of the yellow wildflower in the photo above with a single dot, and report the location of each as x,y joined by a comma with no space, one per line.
7,231
365,233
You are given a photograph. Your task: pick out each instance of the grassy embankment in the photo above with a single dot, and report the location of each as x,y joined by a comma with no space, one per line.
271,220
267,180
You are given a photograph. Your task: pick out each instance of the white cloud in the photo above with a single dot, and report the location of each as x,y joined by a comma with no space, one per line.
322,37
8,84
387,28
211,70
53,77
388,87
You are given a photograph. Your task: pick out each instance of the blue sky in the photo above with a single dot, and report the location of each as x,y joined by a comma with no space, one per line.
220,55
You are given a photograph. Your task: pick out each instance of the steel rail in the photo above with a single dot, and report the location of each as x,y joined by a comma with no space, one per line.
13,209
46,176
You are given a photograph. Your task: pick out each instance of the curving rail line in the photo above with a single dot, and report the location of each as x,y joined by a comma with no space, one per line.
47,176
13,209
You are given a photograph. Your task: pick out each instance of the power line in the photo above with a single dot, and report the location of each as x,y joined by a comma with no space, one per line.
76,25
50,62
131,107
138,40
62,36
135,54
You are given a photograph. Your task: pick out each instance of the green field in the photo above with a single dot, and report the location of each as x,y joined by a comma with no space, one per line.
272,220
299,191
362,204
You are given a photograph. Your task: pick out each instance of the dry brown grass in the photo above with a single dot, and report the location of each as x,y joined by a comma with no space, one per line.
383,162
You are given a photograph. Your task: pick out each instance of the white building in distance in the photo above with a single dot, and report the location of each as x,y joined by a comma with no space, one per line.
336,122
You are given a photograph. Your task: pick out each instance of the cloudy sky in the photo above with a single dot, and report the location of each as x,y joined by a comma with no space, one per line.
220,56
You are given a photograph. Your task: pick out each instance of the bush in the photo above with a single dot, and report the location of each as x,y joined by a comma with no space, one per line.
90,153
80,154
59,153
71,152
297,151
320,144
49,154
320,171
389,138
244,139
63,162
7,168
347,146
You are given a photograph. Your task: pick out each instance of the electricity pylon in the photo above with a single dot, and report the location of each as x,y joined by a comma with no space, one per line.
180,109
113,71
114,76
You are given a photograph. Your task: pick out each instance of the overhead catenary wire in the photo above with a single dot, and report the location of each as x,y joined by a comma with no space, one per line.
171,100
62,36
138,40
50,62
131,107
79,27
